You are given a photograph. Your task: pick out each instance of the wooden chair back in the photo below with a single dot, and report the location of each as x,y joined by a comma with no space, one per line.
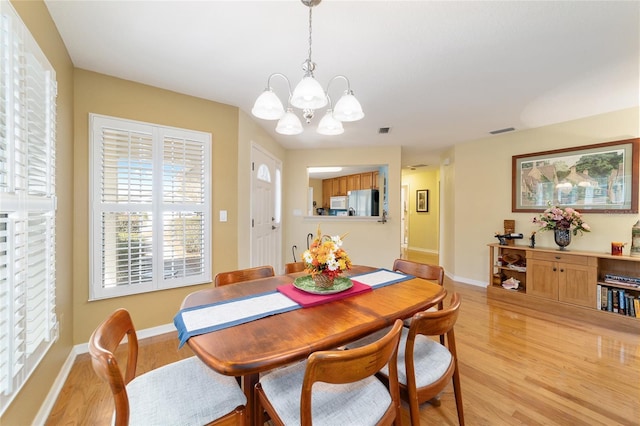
421,270
290,268
433,323
102,345
353,365
231,277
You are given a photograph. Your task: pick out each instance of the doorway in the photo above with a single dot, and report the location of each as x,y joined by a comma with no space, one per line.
404,227
266,208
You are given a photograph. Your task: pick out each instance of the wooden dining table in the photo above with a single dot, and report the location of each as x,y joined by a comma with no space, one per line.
255,347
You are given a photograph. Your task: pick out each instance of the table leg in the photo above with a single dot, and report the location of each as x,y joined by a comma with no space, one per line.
248,384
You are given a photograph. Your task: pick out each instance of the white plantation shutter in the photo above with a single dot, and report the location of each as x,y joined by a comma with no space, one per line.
150,207
28,324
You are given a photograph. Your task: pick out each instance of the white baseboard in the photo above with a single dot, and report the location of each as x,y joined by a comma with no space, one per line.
58,384
52,396
423,250
467,280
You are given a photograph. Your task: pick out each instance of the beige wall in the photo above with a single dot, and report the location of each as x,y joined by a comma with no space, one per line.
368,242
482,190
446,250
100,94
424,226
27,403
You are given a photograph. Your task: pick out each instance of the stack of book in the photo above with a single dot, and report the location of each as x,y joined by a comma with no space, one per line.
621,297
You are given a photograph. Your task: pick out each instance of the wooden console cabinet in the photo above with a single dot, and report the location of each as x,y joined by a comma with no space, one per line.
567,283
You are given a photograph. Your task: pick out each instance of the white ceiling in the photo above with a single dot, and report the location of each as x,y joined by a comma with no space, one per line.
437,73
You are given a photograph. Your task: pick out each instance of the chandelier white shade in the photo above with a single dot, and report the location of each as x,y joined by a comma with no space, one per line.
289,124
308,96
329,125
268,106
348,108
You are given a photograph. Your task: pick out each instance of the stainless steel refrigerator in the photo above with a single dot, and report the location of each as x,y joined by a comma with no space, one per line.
364,202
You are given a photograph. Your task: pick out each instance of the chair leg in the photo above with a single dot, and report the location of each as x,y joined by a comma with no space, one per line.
458,393
258,416
414,410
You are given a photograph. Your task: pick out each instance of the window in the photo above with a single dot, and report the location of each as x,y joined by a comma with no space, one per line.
151,214
28,323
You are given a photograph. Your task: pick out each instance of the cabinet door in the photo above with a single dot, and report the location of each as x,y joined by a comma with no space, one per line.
542,279
366,180
326,192
353,182
335,187
577,284
342,185
374,180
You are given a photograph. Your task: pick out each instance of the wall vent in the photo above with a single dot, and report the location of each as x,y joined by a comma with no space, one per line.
384,130
497,132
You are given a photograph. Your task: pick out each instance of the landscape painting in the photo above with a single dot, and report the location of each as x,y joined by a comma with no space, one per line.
597,178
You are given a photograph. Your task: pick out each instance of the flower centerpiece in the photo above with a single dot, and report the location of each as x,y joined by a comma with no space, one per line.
326,259
563,222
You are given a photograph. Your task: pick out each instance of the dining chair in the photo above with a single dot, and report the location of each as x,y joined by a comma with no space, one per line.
424,271
334,387
185,392
231,277
290,268
425,367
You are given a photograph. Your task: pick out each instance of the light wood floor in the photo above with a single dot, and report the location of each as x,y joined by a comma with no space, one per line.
517,368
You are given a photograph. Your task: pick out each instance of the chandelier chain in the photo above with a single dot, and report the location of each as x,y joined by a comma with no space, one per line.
310,19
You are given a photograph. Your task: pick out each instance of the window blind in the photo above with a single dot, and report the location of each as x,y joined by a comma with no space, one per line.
151,215
28,323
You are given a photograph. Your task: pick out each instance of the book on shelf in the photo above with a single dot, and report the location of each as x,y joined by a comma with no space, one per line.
632,286
616,300
636,305
609,300
603,297
631,310
622,279
622,309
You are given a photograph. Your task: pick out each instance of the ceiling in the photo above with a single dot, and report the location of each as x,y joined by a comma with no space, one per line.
436,73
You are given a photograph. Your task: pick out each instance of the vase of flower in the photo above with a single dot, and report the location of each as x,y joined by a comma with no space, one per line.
323,281
563,222
325,259
562,238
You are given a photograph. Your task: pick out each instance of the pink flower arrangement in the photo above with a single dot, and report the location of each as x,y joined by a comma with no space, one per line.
561,218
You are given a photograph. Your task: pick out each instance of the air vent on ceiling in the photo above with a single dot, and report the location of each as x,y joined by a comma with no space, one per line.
497,132
384,130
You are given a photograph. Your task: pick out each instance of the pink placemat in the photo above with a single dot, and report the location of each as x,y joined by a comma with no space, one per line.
308,299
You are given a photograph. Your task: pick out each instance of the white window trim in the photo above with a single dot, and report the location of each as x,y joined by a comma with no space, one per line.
158,133
28,321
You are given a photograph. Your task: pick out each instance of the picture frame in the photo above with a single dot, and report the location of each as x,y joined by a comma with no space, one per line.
599,178
422,200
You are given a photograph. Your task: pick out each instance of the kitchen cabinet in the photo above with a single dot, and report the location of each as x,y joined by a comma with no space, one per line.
353,182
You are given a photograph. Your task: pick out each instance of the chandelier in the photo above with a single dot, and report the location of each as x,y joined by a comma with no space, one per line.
308,96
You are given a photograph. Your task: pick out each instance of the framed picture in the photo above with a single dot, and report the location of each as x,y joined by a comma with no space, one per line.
601,178
422,200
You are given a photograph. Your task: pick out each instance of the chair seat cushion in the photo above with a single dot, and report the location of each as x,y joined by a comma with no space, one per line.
431,360
358,403
186,392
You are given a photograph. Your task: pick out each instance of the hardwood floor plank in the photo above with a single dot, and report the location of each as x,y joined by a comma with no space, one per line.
517,366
